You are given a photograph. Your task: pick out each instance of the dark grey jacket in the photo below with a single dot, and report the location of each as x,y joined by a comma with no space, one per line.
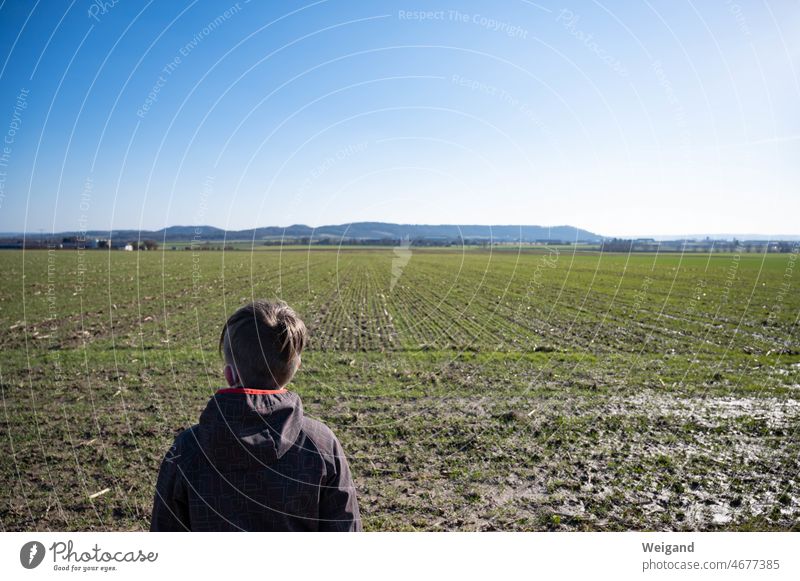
255,463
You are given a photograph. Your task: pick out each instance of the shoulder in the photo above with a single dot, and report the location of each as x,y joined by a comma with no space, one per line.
185,445
321,435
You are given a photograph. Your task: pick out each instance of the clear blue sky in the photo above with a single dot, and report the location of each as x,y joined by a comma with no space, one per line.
623,118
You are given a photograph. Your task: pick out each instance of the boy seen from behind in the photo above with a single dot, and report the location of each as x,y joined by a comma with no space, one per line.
255,462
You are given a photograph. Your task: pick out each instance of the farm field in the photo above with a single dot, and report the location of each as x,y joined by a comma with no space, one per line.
472,389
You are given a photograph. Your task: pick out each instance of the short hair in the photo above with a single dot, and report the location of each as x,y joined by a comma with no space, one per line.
263,341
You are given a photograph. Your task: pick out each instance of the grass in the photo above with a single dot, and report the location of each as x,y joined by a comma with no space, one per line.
472,390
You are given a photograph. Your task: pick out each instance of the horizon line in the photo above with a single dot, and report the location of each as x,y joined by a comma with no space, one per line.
663,237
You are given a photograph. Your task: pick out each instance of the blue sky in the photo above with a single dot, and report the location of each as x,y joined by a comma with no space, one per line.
622,118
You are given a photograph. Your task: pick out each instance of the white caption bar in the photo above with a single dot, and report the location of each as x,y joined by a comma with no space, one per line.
400,555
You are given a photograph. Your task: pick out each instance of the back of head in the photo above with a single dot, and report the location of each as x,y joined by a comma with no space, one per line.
263,341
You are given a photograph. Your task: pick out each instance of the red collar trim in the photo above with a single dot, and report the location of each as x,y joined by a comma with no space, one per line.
251,391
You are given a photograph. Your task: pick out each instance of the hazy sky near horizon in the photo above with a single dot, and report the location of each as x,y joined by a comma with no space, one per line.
659,117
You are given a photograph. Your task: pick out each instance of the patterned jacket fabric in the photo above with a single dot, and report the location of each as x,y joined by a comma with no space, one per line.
255,463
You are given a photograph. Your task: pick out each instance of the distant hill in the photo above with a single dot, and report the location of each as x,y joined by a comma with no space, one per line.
358,231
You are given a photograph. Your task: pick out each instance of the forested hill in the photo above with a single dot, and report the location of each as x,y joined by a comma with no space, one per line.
360,231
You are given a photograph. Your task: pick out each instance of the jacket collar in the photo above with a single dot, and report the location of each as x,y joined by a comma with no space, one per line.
236,431
252,391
